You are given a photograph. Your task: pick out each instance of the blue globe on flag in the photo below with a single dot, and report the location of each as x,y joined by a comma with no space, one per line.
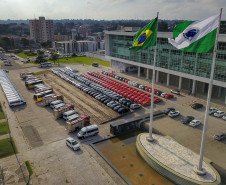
141,38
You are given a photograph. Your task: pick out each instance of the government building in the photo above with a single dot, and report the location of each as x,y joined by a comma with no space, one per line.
183,70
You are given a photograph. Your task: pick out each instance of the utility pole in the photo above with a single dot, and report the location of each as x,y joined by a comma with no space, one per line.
2,174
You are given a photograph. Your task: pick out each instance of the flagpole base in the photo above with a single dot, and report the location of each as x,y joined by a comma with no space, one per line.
150,139
201,172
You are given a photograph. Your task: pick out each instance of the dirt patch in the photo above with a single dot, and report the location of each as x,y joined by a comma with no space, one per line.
84,103
32,135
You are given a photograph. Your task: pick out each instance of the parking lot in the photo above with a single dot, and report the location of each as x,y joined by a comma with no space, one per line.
43,136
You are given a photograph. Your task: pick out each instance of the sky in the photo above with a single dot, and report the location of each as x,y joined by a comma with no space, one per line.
111,9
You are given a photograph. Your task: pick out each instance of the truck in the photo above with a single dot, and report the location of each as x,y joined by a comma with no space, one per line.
46,100
82,121
44,89
59,113
22,75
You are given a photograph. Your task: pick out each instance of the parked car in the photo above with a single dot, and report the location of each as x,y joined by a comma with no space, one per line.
173,114
219,136
135,106
224,117
197,105
175,91
187,119
167,96
166,111
95,64
219,114
123,110
88,131
212,111
72,143
194,123
158,93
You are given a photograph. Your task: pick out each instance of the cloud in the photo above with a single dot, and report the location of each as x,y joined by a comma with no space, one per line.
111,9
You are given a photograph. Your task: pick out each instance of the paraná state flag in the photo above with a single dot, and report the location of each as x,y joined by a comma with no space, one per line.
198,36
146,36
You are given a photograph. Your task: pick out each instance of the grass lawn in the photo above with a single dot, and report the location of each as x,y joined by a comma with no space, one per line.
6,148
30,171
42,72
4,128
26,54
2,115
83,60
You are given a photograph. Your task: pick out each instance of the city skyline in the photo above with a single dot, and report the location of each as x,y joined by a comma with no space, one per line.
111,10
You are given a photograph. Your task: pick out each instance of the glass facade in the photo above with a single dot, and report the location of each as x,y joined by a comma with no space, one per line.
169,57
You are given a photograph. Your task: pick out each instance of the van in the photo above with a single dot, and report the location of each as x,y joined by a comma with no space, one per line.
88,131
69,113
53,103
72,117
58,106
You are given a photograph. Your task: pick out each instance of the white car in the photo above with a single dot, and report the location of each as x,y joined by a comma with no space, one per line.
219,114
135,106
194,123
173,114
224,117
212,110
163,95
72,143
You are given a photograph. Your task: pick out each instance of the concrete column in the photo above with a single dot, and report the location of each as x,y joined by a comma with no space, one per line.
138,71
157,76
168,79
180,82
193,87
219,92
147,76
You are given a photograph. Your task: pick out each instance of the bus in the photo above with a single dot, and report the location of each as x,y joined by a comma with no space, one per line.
38,97
30,84
46,64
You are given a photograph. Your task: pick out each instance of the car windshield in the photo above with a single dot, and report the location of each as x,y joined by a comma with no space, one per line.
74,143
81,132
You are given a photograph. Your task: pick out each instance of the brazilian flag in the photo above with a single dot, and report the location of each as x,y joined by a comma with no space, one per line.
146,36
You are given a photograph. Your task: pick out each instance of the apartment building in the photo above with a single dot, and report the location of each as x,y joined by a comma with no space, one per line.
41,30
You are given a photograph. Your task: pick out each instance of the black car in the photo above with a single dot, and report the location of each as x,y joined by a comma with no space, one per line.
123,110
106,101
103,99
197,105
187,119
159,93
117,107
166,111
95,64
129,103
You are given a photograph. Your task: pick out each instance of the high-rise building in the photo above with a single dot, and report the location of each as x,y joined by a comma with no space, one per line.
41,30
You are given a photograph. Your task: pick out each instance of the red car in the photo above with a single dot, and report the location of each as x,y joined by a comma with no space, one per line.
145,103
157,100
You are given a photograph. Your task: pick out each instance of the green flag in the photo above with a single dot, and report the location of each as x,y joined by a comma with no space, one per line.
198,36
146,36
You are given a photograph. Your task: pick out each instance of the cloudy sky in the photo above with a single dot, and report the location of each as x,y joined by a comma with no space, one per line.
111,9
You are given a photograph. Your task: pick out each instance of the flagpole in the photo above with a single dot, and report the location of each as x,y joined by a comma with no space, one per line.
200,170
150,138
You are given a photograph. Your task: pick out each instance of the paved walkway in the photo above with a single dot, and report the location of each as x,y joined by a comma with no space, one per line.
4,136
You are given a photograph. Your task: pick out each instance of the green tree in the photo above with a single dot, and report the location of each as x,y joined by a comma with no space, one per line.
24,42
54,57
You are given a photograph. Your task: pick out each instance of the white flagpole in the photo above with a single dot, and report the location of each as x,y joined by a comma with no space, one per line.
150,138
200,170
